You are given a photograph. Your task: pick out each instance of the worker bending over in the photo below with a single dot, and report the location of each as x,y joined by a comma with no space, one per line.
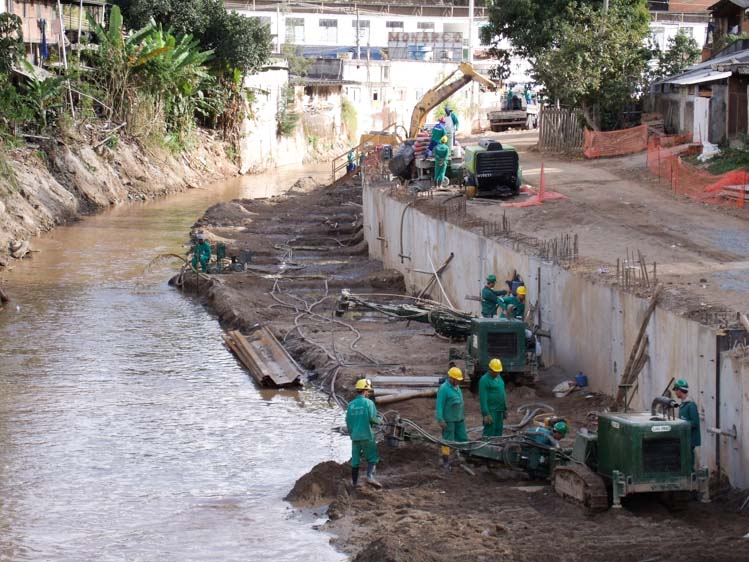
493,400
688,412
546,436
490,297
361,414
441,159
517,302
450,413
201,253
437,133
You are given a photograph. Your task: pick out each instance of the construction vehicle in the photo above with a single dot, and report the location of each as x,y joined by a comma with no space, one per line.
494,169
402,163
630,453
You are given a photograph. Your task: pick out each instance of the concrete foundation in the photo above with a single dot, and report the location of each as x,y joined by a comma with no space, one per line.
593,326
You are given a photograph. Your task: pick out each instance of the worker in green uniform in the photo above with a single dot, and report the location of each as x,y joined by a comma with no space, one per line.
453,129
517,302
361,414
450,413
441,159
546,436
688,412
438,131
201,253
492,399
490,297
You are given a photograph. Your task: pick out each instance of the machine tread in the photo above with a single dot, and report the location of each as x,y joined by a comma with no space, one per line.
578,482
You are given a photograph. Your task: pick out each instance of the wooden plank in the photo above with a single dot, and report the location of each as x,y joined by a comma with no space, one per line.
265,358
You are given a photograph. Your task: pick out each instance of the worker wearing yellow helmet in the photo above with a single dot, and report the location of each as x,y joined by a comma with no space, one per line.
361,414
441,159
517,301
493,399
450,412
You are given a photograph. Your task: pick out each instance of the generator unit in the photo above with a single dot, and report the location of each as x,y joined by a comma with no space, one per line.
494,169
506,339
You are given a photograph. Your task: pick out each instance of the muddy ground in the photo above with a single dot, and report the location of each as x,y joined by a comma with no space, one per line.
306,248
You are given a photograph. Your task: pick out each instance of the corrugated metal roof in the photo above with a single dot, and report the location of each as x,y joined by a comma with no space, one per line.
699,77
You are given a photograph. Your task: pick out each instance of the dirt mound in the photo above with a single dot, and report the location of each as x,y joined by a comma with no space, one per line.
388,279
226,214
304,185
319,485
391,550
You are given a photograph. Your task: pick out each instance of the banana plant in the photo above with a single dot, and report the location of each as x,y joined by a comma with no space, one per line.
42,95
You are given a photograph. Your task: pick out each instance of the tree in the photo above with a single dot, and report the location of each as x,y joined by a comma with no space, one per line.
11,41
580,55
681,53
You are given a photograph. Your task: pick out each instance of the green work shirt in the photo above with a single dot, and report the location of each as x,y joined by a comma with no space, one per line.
203,250
441,154
449,403
688,412
437,133
454,117
541,435
360,415
492,394
504,302
489,301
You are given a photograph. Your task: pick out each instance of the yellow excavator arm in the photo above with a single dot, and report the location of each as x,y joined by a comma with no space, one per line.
443,91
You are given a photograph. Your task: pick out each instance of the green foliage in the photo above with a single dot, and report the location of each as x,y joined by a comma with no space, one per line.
286,118
298,65
727,160
581,56
726,39
11,41
682,52
238,41
7,173
43,96
349,119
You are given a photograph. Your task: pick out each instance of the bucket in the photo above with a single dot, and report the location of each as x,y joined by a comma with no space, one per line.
470,191
581,380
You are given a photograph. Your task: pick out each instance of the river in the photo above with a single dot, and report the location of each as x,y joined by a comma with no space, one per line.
127,430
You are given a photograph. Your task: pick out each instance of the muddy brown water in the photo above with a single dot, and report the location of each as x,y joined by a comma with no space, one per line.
127,430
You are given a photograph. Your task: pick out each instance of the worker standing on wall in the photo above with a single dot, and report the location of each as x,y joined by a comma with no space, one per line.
201,253
361,414
493,400
438,131
450,413
517,302
688,412
490,297
451,124
441,159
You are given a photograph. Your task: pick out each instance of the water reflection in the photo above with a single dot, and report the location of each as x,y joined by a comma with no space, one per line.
127,431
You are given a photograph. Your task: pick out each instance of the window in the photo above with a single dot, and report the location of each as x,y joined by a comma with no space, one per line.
394,25
295,30
425,26
375,95
385,73
264,20
329,31
659,35
688,31
363,31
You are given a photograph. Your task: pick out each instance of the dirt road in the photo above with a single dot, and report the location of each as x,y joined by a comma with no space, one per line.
306,247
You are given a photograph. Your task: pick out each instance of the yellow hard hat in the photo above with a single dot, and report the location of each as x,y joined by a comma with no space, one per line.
363,384
522,290
455,373
495,365
443,140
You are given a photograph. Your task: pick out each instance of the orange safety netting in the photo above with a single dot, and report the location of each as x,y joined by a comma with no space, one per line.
686,179
615,143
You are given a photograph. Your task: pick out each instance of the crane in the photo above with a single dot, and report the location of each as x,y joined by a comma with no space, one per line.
443,91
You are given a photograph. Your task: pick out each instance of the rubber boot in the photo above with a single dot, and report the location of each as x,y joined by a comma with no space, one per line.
446,464
354,476
371,476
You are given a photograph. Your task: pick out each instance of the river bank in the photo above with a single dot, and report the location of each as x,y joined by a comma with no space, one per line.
50,182
307,247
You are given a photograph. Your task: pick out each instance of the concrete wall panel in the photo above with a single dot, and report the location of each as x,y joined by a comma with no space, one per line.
593,326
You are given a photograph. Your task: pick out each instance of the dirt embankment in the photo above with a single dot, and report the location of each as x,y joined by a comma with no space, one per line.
306,246
58,182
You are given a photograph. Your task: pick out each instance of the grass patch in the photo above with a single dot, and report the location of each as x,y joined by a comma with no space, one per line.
7,173
729,159
349,118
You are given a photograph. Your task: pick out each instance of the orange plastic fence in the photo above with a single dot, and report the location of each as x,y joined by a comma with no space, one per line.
537,197
686,179
615,143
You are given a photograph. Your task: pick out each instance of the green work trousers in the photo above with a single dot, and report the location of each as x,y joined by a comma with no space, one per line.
495,428
368,448
455,431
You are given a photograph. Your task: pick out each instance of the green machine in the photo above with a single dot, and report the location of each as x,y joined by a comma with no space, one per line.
506,339
640,452
493,168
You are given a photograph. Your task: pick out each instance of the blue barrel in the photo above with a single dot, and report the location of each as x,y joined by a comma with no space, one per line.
581,380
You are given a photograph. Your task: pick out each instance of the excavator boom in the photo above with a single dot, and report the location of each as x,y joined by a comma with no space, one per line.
443,91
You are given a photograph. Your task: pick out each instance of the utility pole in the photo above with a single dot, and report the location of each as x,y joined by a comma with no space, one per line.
470,31
605,6
358,50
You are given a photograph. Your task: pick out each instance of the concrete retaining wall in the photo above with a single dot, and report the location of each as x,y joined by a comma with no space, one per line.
593,326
